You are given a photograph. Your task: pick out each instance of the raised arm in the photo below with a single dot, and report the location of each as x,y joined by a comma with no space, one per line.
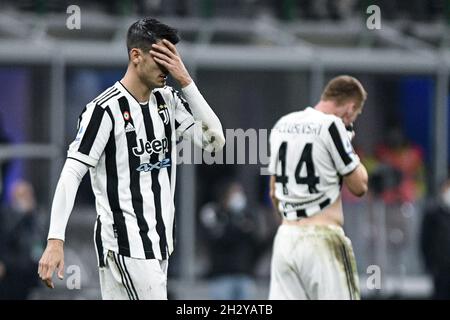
357,181
195,106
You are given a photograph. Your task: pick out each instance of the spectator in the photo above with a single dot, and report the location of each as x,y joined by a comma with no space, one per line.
406,159
230,232
399,181
21,243
435,242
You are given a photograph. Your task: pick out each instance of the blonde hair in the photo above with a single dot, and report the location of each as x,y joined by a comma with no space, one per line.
343,89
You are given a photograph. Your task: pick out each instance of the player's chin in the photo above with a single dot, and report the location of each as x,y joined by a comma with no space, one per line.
160,83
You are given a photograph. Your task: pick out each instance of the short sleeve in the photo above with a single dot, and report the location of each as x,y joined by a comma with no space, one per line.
94,129
341,149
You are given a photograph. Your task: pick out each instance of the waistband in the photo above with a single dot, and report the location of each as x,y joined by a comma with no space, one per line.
312,230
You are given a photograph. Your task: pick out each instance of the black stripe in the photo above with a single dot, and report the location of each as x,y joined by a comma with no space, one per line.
177,124
80,161
98,243
352,272
130,93
135,185
174,231
301,213
167,131
122,276
129,277
189,126
347,271
101,96
91,130
339,145
80,117
324,204
183,101
108,96
109,99
127,280
112,187
156,188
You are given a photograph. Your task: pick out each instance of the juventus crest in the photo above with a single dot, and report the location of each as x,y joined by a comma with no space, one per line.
164,113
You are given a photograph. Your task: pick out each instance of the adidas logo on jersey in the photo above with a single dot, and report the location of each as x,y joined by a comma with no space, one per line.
129,127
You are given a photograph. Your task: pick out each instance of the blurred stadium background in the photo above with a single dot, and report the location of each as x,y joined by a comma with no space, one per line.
254,60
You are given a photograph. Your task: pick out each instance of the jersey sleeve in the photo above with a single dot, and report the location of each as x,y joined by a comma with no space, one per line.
184,120
94,129
341,149
195,120
273,154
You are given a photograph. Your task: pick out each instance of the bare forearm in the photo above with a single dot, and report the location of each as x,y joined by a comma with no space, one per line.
357,181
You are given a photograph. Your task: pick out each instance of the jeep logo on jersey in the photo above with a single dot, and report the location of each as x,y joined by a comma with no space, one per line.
155,146
162,110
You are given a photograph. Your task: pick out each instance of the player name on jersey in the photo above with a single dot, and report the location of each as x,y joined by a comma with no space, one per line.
310,152
298,128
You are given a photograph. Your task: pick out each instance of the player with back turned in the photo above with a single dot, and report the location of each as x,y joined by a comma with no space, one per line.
311,155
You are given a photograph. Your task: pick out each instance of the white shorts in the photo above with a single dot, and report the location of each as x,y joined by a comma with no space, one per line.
124,278
313,262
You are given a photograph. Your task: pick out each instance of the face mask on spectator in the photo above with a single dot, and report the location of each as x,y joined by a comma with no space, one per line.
446,197
237,202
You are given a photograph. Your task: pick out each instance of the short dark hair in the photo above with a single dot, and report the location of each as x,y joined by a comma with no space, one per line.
344,88
147,31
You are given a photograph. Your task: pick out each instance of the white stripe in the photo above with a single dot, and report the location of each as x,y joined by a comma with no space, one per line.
125,199
167,210
99,178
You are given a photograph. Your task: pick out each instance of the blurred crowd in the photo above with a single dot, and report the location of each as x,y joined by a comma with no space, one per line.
418,10
234,236
21,234
435,241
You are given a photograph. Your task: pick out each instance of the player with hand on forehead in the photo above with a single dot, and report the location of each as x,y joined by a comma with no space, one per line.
127,140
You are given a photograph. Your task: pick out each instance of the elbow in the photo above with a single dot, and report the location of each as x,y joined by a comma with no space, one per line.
358,182
362,189
361,192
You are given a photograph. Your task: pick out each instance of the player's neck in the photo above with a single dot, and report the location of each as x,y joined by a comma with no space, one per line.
139,90
328,107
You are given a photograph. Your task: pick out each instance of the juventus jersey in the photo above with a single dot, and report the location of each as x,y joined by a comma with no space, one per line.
310,152
130,149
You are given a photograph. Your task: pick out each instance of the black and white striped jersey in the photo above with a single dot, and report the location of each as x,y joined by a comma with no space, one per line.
310,152
131,151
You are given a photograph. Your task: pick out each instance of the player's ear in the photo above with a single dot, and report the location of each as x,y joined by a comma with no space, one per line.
135,55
